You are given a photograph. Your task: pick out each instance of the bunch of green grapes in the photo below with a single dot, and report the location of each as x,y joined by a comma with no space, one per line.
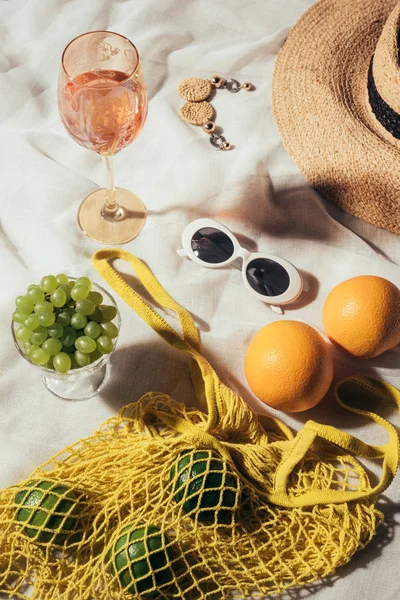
63,324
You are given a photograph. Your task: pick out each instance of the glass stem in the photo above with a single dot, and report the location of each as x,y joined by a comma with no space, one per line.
111,210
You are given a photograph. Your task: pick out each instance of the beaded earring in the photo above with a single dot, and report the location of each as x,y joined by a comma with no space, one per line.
198,111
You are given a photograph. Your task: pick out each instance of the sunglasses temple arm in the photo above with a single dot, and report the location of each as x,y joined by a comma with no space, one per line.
276,309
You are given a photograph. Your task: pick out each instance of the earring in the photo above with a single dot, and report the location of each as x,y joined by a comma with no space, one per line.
198,111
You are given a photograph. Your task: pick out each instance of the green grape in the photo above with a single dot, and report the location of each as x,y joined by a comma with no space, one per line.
79,292
71,284
62,362
23,334
35,294
104,344
109,329
64,319
85,307
39,357
49,364
58,298
97,315
69,337
96,298
95,356
39,335
65,288
24,304
56,330
52,346
84,281
48,283
81,359
26,347
85,344
32,321
29,348
74,364
61,278
43,307
19,317
109,312
46,319
68,349
70,310
78,321
93,330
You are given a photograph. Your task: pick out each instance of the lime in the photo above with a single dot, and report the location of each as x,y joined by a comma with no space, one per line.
206,485
49,509
141,559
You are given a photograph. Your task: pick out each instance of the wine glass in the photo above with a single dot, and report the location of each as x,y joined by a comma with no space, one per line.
102,99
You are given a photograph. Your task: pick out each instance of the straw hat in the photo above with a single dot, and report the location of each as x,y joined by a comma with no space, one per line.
336,101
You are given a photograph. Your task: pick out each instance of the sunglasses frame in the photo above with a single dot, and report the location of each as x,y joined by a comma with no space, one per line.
295,281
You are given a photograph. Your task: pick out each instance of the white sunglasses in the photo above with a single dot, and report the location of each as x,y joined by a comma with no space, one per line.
271,279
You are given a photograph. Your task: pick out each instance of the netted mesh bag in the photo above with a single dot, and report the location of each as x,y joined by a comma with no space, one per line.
165,501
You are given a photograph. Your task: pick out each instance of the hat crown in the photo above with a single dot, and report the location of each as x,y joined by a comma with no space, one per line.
385,65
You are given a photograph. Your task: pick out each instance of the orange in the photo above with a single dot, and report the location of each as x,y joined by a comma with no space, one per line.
362,315
288,366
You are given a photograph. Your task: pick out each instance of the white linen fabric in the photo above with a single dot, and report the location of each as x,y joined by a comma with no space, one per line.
255,189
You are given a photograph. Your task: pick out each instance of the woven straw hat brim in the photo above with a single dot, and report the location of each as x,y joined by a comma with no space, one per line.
321,108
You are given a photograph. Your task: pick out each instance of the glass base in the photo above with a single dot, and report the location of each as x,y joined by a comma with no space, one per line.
81,386
120,230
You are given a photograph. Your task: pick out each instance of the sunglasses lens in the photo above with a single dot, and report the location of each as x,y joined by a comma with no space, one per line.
212,245
267,277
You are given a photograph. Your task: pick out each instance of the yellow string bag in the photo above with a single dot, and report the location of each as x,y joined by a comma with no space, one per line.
164,501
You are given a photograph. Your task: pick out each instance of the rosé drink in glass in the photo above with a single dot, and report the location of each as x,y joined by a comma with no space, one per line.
102,100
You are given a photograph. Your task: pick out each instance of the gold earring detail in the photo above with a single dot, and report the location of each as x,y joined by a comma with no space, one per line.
195,89
198,111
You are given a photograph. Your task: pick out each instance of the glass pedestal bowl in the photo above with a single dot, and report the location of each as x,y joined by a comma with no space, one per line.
84,382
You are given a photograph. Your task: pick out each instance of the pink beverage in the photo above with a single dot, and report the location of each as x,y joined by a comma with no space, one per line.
103,110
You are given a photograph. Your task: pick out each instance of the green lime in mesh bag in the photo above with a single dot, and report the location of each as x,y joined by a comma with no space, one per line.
141,558
206,485
49,511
